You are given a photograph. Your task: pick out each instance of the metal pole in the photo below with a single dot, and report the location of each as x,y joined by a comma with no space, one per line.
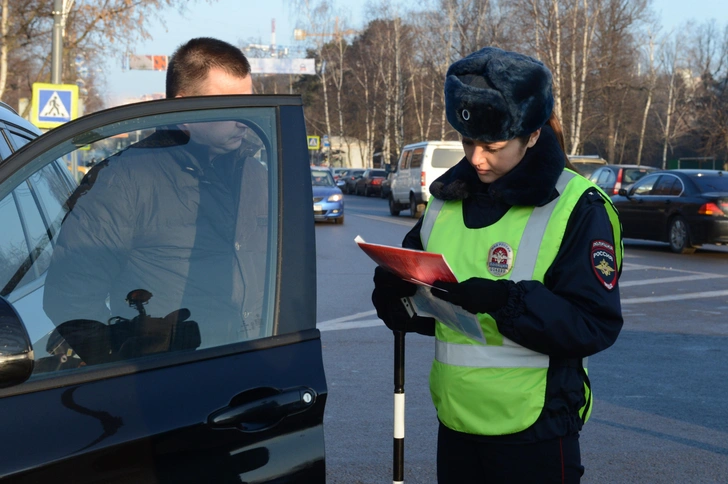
57,49
398,447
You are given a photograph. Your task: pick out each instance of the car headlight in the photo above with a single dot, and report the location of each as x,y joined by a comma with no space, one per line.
334,198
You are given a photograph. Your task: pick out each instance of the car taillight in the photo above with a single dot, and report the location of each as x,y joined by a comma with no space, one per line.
422,179
710,208
618,185
377,181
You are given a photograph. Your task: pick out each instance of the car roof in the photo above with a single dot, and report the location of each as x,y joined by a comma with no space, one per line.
9,115
697,171
646,167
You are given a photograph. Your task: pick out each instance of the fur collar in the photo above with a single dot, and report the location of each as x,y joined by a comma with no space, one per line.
530,183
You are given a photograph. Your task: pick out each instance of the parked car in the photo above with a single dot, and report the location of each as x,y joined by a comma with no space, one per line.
337,172
611,178
586,164
419,165
151,398
370,182
350,179
685,208
386,189
328,201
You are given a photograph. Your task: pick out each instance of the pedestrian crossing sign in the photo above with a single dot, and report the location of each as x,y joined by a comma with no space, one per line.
53,104
314,142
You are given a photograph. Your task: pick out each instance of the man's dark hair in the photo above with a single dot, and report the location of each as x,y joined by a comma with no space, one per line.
192,61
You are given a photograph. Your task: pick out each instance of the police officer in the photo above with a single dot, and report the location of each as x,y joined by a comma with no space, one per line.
537,250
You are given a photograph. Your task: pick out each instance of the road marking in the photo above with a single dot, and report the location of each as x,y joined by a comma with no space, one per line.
663,280
348,318
367,323
675,297
630,266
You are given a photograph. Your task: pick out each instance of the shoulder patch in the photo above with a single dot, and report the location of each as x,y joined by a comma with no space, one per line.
604,263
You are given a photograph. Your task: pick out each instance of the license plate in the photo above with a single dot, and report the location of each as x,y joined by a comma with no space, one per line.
317,208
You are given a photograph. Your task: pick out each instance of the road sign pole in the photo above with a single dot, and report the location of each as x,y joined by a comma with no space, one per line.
57,48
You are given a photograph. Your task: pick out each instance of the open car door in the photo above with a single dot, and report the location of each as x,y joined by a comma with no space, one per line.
170,297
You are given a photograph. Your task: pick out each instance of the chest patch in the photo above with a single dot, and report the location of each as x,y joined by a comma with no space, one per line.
500,259
604,263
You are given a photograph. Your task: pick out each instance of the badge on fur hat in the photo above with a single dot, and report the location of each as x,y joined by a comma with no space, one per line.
604,263
500,259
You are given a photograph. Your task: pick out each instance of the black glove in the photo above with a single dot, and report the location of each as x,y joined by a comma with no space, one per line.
476,295
386,298
392,284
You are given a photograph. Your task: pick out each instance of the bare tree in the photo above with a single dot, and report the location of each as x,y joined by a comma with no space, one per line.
94,29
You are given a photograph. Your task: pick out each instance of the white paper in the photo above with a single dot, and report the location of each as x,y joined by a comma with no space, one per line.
454,317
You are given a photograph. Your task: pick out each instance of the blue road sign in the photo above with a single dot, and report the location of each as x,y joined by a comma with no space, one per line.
54,104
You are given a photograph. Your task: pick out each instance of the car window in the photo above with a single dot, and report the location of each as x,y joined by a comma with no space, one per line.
711,183
14,250
322,178
416,160
594,177
631,175
405,161
19,138
667,185
605,176
443,158
5,150
381,173
168,245
644,186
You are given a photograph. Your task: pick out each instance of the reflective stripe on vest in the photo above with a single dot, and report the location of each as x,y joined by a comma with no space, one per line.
510,355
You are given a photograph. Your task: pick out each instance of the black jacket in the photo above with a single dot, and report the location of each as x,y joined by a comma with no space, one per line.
572,315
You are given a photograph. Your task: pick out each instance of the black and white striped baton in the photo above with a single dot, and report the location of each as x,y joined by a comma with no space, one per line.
398,448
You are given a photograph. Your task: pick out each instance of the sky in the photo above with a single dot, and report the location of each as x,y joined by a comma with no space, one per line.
249,21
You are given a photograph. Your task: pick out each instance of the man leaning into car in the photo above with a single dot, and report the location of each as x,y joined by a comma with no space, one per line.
181,214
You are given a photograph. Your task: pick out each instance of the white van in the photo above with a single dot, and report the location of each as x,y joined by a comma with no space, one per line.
419,165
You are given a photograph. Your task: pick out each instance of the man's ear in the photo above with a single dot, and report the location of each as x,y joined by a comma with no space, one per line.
533,138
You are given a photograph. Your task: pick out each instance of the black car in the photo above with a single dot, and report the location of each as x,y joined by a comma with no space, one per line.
143,396
370,183
611,178
686,208
350,179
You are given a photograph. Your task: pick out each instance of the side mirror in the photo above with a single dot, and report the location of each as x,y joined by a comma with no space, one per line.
623,192
16,351
390,168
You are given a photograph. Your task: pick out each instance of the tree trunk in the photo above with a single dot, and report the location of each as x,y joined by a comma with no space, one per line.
4,47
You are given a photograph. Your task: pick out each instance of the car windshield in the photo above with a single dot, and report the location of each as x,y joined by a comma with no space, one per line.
374,173
711,183
322,178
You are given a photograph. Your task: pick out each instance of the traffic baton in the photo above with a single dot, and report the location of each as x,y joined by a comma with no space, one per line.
398,444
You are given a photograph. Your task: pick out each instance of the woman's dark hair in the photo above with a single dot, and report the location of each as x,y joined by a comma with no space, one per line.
191,62
555,124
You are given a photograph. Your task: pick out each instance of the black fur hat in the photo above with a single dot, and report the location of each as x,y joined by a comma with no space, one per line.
494,95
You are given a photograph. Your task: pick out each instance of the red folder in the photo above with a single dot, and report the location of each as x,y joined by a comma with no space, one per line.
415,266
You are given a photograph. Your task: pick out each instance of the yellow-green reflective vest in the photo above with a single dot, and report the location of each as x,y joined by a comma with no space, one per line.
498,388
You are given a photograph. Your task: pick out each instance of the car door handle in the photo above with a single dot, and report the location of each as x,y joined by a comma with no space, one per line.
263,413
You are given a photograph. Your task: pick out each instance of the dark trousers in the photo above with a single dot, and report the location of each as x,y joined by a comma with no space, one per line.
462,459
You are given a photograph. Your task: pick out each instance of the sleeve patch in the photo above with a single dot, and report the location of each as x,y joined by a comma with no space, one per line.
604,263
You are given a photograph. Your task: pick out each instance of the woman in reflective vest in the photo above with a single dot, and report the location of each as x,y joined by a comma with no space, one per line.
538,251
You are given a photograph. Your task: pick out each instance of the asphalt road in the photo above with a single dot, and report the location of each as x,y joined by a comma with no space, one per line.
660,413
